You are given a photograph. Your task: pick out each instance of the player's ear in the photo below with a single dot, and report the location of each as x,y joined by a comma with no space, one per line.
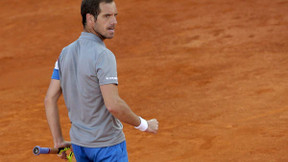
90,18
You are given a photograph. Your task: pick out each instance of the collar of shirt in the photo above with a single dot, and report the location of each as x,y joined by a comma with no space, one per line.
90,36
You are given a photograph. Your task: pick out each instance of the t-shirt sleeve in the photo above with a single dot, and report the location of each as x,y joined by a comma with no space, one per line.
106,68
55,74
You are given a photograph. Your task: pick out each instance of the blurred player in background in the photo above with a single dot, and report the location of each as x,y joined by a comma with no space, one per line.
86,74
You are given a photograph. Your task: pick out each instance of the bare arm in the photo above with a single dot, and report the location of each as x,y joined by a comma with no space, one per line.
118,108
52,114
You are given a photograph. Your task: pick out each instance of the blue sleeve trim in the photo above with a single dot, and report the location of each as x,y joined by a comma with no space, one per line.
55,74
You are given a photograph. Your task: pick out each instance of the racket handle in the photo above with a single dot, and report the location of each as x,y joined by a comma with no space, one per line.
37,150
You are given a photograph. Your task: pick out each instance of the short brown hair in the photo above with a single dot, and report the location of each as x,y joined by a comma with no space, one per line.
91,7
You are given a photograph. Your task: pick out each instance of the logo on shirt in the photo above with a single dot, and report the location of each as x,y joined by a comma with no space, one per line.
111,78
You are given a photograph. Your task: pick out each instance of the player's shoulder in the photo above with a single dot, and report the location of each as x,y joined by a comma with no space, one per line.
107,53
70,47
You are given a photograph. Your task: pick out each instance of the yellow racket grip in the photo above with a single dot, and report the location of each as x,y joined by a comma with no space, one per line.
69,156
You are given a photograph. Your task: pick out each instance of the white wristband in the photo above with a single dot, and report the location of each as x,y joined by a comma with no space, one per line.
143,125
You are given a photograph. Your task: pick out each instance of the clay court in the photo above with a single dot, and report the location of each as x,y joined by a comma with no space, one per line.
214,73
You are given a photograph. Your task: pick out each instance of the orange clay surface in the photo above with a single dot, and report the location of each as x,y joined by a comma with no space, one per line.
213,72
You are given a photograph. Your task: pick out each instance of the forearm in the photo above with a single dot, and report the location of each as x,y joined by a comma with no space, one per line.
118,108
123,112
52,115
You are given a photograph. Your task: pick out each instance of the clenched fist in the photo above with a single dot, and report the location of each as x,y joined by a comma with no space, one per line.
152,126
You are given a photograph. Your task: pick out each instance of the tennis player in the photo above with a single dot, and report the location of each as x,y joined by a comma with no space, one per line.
86,74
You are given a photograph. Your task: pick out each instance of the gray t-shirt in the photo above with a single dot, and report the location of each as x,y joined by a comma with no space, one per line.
84,66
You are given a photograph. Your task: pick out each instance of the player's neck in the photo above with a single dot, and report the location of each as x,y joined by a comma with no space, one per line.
89,30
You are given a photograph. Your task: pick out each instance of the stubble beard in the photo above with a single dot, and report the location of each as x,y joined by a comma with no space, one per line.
101,36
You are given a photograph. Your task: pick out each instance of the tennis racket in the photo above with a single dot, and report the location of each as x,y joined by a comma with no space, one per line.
37,150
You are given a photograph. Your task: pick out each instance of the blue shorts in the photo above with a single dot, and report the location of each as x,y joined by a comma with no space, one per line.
116,153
